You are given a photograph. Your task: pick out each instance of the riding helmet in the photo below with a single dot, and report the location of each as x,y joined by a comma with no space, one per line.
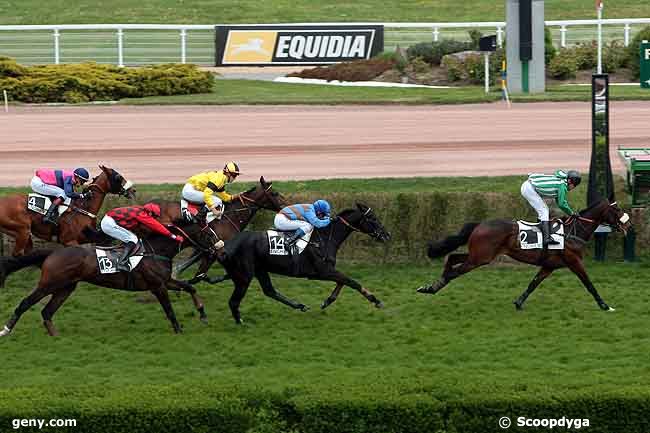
231,168
322,206
82,174
153,209
574,177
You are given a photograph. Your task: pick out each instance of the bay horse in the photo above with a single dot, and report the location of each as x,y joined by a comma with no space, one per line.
487,240
76,225
62,269
247,255
237,215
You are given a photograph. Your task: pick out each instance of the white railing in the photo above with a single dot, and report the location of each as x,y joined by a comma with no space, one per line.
133,44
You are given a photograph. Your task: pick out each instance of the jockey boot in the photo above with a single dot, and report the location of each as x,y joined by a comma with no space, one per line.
547,239
123,263
52,214
201,215
292,239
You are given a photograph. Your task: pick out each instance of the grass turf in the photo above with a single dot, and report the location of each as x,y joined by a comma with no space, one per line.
233,92
468,340
249,11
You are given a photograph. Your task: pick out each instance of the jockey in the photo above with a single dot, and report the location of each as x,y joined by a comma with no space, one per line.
539,186
119,222
302,218
59,184
209,188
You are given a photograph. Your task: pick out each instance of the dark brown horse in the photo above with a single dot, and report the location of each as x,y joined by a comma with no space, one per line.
64,268
237,215
487,240
76,224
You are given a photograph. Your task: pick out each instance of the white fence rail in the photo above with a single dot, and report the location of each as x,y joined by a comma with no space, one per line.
137,44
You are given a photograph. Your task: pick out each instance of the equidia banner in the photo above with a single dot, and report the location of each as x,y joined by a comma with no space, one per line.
296,45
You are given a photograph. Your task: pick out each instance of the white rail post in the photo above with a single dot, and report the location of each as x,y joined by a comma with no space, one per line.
627,34
600,38
436,34
563,36
499,37
487,72
57,53
183,45
120,48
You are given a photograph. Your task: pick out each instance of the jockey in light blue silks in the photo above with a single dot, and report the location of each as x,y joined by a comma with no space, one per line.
303,218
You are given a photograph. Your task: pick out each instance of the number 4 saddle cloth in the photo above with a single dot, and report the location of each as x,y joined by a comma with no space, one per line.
277,245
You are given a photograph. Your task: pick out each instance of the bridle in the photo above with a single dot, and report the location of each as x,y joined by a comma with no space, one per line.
574,221
194,243
249,205
112,181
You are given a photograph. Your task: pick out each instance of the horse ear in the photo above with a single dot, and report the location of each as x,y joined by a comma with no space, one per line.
102,167
362,207
264,182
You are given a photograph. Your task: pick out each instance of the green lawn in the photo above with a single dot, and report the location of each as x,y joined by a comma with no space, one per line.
249,11
264,92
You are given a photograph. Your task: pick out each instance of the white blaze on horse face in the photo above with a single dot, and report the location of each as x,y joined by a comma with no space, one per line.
127,185
625,218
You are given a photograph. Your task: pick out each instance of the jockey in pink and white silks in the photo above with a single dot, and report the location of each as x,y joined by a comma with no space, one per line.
303,218
59,184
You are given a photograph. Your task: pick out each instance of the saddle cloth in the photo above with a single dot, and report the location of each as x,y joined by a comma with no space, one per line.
530,236
41,203
277,245
189,211
107,258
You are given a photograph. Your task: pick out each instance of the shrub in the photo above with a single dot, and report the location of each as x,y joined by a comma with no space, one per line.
433,52
420,66
9,68
360,70
92,82
475,36
632,52
549,49
564,65
614,56
471,67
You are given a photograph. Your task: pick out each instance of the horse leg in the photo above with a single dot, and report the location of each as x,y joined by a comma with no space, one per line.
53,305
163,297
198,302
27,303
451,262
267,287
332,297
578,268
23,239
452,274
536,281
241,281
344,280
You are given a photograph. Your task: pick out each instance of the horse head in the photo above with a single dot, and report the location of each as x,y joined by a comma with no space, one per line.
264,197
364,220
110,181
604,212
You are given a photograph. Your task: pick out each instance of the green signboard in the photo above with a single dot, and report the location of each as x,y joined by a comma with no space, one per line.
645,65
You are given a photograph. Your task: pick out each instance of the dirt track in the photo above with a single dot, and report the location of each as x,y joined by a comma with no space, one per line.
168,144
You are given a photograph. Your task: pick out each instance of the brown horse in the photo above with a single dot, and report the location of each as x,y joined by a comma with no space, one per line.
237,215
76,224
489,239
64,268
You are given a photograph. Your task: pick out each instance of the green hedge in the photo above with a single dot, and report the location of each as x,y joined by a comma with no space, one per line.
161,409
86,82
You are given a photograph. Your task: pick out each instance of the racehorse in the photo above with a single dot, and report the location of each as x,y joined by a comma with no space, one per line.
489,239
237,214
76,224
64,268
247,255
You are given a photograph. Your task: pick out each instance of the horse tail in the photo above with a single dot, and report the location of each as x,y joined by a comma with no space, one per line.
450,243
9,265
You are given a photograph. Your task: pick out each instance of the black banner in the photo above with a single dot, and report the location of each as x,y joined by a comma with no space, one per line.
296,45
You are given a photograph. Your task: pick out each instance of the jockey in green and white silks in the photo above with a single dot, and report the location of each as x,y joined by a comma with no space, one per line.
539,186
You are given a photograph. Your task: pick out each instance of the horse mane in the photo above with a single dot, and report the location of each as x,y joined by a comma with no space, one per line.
597,203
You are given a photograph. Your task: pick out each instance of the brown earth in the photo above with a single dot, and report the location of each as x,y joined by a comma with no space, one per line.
168,144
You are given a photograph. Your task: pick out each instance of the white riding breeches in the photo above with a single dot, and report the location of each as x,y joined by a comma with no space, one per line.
192,195
283,223
114,230
41,187
535,200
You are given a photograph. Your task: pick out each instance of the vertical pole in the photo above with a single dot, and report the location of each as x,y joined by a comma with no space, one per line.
563,37
525,86
487,72
57,56
120,48
499,37
436,34
4,92
627,34
183,45
600,40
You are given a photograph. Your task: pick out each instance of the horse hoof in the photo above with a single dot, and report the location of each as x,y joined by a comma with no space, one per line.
426,289
379,305
304,308
609,309
518,306
6,331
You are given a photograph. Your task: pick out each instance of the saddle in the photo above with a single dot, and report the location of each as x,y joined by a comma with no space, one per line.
277,244
41,203
109,257
530,235
189,211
